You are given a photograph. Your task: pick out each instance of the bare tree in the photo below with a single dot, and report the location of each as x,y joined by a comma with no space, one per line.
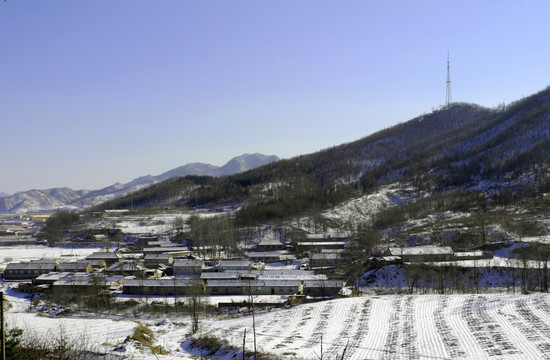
194,296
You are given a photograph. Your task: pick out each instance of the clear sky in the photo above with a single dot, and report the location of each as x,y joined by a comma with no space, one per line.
94,92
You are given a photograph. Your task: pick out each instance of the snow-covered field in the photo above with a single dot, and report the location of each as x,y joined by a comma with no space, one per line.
500,326
403,327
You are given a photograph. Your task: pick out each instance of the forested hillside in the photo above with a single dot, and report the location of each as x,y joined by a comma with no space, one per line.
502,153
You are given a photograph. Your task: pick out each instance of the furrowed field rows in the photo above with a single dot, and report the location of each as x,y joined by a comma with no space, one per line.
403,327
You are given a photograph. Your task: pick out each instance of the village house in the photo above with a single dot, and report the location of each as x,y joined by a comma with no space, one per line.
324,260
265,256
50,278
224,287
27,271
108,257
96,264
76,282
270,245
318,246
84,266
322,288
152,261
126,268
84,283
16,240
273,287
186,267
147,241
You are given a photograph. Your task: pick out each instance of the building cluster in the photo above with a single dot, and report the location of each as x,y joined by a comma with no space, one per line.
165,269
20,229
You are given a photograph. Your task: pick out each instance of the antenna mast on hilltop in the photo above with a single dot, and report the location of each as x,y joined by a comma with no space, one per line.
448,98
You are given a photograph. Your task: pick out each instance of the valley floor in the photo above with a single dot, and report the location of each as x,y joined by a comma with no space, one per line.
466,326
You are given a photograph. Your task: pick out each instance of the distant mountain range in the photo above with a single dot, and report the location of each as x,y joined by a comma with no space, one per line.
65,198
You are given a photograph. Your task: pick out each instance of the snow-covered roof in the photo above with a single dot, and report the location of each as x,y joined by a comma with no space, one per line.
323,283
220,275
263,254
267,242
160,282
476,253
420,250
253,283
52,276
234,263
318,256
30,266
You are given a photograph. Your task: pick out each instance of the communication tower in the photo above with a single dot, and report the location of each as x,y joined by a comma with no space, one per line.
448,98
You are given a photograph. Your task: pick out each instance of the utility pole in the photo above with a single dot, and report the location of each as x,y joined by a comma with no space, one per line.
251,298
244,344
3,330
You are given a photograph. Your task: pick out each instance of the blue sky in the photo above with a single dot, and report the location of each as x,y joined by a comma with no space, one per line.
95,92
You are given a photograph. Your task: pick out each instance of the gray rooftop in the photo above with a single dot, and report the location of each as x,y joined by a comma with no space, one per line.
30,266
234,263
186,262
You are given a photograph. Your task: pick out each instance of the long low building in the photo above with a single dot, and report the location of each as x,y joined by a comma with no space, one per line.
254,287
318,245
322,288
164,287
426,253
279,274
27,271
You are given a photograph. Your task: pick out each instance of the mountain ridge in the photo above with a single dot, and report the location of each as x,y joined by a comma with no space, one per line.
464,147
65,198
